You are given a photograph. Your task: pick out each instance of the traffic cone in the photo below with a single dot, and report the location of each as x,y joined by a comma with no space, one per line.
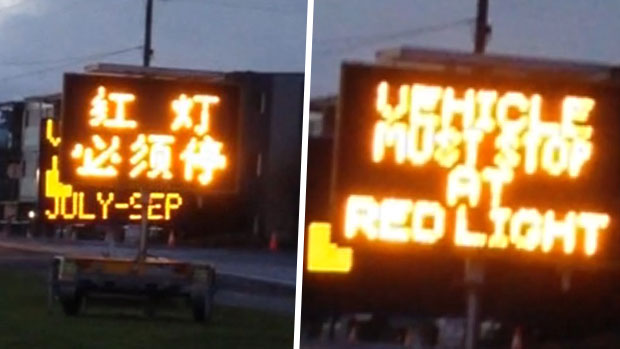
352,335
273,242
517,339
409,339
171,239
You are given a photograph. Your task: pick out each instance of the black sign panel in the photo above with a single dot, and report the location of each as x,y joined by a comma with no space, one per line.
444,160
154,134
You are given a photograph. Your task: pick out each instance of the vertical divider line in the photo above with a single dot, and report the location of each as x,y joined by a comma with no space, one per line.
303,172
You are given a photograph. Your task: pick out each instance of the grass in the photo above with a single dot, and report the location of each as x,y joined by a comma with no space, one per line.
25,323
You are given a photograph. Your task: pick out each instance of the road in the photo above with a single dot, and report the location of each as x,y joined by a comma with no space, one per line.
254,279
261,265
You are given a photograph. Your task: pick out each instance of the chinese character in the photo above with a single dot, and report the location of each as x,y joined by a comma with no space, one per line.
182,108
152,152
204,156
100,109
102,164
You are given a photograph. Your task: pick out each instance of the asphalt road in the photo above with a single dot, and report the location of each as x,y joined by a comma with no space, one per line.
27,261
279,267
250,279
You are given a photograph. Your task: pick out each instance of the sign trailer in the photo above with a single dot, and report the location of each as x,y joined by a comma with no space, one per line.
126,149
434,160
438,163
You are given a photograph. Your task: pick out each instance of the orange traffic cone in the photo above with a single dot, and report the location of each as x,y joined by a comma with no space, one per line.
171,240
517,339
352,335
273,242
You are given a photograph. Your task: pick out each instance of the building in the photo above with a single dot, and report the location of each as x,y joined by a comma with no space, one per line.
10,162
272,122
36,109
19,159
268,197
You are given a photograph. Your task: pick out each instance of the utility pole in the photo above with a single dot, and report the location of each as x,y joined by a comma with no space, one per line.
483,29
148,23
474,268
145,194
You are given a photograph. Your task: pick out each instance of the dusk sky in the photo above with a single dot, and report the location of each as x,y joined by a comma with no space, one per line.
39,39
355,29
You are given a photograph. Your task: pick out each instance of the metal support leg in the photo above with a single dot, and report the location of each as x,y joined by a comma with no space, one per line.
144,226
474,277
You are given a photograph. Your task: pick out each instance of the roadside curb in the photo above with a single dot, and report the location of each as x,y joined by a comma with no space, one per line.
225,281
26,247
257,286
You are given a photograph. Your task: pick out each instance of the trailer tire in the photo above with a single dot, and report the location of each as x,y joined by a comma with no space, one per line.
202,307
71,305
52,287
150,307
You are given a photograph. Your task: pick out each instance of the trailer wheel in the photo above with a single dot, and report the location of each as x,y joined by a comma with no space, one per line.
71,305
149,307
52,287
202,307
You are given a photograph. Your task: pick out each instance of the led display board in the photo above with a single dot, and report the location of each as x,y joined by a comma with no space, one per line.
66,202
472,163
147,133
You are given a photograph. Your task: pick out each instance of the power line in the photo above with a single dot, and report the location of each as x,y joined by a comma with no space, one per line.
42,41
59,9
68,64
413,31
65,59
354,42
247,6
